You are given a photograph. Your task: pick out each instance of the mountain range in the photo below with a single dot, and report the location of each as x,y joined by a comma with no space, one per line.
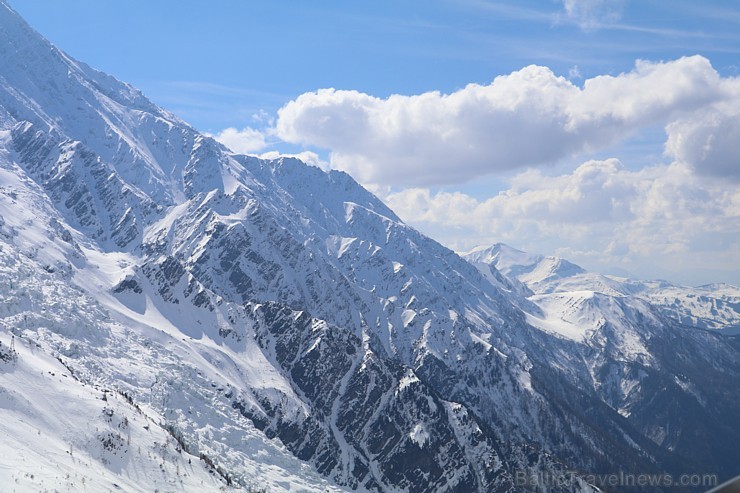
178,317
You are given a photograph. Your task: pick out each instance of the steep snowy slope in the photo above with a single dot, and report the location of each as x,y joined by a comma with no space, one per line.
633,337
120,125
151,369
60,434
108,157
284,323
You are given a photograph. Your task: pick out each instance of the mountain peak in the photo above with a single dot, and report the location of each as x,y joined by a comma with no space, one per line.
501,255
46,75
42,85
252,313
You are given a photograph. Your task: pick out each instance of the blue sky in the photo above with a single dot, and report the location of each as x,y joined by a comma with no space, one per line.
217,64
616,176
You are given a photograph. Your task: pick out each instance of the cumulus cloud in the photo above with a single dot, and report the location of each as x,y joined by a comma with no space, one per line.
527,118
592,14
241,141
708,140
601,214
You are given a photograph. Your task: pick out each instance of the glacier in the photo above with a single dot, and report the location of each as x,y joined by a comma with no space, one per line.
185,318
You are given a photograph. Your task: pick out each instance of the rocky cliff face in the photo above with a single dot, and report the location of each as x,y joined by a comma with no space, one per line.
633,336
285,324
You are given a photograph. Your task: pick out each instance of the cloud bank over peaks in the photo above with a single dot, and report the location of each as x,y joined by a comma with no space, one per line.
601,215
530,117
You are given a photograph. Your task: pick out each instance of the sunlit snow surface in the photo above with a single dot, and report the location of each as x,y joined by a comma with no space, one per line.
234,299
563,289
55,428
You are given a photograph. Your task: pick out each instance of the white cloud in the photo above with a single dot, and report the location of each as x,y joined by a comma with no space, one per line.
241,141
263,117
592,14
529,117
708,140
601,215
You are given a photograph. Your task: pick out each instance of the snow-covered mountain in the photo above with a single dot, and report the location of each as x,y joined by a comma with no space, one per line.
185,318
712,306
644,325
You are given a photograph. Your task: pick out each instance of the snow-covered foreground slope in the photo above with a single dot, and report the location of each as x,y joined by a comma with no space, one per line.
283,323
79,359
60,434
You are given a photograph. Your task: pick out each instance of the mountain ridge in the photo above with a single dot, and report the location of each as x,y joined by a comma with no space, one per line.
712,306
288,326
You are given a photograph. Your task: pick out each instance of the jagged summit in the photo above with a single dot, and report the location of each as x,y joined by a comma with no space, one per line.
528,268
42,74
65,100
502,255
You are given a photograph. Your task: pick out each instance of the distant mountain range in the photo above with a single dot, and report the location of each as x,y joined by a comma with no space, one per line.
712,306
178,317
